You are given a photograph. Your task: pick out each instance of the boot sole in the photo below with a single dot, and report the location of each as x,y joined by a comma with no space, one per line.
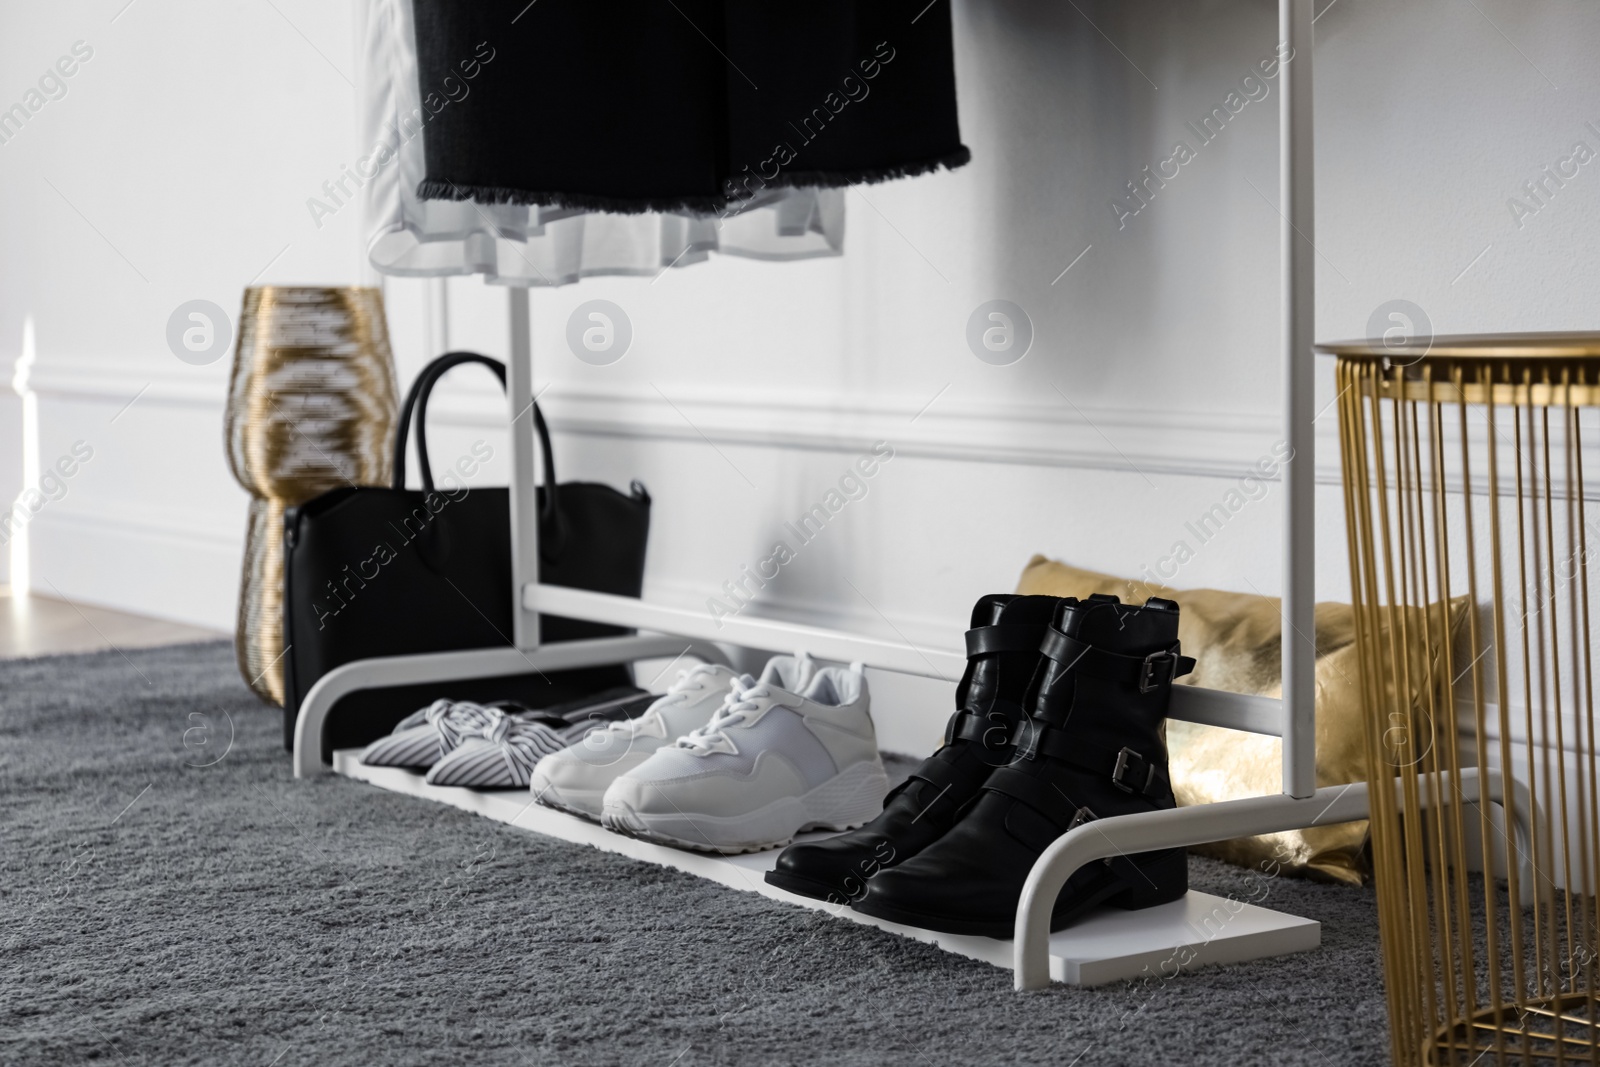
1107,890
806,887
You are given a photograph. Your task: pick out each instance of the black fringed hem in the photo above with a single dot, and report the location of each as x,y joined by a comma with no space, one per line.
434,189
834,179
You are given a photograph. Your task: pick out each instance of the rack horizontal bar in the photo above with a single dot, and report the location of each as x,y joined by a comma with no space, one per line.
1208,707
386,671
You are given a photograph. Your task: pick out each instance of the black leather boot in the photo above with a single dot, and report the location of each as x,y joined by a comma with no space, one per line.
1090,748
1002,652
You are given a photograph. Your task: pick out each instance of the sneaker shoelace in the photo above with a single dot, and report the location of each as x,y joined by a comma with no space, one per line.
742,700
688,683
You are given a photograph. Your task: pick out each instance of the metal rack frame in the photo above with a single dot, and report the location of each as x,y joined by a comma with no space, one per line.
672,631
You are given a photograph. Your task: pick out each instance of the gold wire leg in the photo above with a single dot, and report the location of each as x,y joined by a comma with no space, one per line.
1466,511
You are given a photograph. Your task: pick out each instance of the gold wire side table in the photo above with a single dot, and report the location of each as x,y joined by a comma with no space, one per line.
1464,475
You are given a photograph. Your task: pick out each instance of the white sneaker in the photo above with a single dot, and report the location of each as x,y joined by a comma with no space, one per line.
575,779
769,764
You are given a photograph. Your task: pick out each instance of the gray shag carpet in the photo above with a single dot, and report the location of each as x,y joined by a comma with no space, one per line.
171,895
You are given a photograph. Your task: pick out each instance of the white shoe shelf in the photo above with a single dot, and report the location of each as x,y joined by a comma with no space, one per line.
1106,946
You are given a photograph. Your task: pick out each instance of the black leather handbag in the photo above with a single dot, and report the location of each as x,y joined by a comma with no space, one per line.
386,572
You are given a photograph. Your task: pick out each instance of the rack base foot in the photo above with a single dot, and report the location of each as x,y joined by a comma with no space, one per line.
1108,946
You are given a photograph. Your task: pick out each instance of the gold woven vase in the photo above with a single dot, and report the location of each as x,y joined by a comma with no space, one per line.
311,407
1464,471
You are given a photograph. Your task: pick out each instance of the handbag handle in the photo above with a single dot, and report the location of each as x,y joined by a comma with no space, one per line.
552,527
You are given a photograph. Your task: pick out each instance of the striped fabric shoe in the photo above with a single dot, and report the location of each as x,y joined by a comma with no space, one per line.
502,756
424,737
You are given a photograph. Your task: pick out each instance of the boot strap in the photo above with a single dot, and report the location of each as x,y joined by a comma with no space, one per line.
1005,637
965,725
1047,800
978,727
941,776
1129,771
1147,672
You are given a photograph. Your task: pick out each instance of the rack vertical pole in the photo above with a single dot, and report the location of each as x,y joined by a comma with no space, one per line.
1299,470
524,498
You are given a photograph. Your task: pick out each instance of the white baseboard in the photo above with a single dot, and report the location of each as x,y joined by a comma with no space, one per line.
142,566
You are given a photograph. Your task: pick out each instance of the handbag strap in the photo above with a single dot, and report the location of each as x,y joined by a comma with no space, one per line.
415,411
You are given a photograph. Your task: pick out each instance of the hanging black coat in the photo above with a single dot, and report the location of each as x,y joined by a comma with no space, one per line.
669,105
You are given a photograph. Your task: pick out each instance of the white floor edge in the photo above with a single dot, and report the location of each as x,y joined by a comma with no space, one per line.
1108,946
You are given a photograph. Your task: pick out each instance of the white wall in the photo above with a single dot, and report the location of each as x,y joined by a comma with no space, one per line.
183,153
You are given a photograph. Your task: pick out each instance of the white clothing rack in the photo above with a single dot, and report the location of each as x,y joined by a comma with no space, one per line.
671,632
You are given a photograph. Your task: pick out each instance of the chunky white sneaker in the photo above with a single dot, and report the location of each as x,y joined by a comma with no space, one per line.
575,779
771,763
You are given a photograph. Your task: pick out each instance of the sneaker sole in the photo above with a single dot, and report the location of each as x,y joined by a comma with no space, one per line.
573,801
844,802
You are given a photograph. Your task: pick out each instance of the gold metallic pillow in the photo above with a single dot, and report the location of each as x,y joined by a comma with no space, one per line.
1236,641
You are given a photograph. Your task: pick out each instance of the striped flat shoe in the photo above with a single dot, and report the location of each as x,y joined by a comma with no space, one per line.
424,737
503,756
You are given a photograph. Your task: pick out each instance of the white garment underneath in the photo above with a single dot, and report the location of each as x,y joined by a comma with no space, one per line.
515,244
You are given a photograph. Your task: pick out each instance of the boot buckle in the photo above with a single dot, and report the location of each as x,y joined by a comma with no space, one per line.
1159,669
1133,773
1082,816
